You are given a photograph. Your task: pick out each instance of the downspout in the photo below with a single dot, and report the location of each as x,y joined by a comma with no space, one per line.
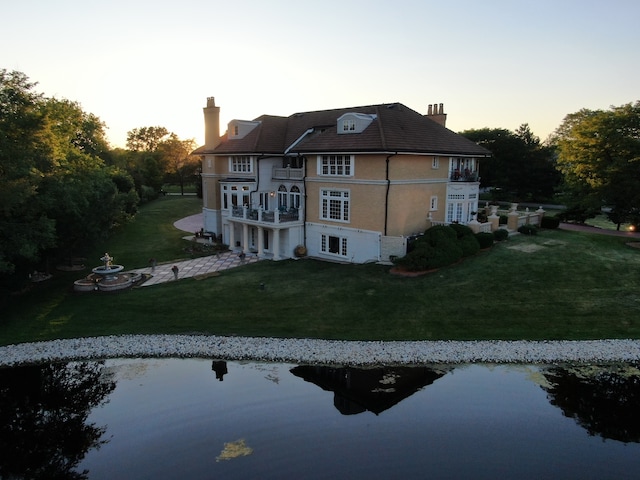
304,221
251,192
304,179
386,199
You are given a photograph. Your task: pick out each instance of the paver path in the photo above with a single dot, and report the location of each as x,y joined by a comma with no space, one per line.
197,266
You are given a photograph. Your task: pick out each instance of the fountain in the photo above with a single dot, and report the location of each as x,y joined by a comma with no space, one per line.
108,270
107,278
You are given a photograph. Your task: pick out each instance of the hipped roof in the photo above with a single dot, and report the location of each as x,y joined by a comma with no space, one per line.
396,128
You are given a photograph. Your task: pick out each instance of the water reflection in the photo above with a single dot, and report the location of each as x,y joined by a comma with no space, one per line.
201,419
604,400
358,390
44,431
220,369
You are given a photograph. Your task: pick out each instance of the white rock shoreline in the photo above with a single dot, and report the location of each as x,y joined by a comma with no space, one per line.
324,352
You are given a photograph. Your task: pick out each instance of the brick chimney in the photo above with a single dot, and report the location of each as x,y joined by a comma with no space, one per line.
436,113
211,124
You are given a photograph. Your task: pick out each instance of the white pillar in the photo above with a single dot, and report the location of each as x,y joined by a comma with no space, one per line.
245,237
276,244
260,241
232,236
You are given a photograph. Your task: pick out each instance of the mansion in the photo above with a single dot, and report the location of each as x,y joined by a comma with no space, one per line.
349,184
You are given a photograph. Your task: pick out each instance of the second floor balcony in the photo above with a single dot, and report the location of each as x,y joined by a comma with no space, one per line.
463,176
259,215
287,173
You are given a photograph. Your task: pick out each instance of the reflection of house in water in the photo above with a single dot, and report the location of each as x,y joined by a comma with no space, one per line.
374,389
220,369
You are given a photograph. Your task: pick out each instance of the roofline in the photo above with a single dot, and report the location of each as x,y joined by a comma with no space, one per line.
394,152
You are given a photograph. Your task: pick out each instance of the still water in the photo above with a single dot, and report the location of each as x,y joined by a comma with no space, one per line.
198,419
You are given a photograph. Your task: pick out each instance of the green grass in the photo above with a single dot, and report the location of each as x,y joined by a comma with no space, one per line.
151,234
601,221
556,285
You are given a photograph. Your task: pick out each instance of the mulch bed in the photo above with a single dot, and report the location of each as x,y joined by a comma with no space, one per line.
408,273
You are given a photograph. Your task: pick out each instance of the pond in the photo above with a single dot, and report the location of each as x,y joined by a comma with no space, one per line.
202,419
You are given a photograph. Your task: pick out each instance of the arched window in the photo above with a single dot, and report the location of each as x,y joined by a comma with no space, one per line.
282,197
294,197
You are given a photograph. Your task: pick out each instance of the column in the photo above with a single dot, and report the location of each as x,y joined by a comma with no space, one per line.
232,236
276,244
260,242
245,237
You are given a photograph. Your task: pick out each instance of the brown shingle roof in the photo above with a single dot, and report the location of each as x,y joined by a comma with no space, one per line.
396,128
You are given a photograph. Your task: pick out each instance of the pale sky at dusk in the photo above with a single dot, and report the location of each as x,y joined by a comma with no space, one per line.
493,63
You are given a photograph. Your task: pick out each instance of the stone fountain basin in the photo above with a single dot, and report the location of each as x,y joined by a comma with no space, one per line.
104,283
112,270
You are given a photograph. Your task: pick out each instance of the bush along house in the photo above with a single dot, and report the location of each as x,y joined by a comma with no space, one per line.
350,184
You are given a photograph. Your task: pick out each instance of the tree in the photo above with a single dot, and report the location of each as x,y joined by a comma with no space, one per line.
599,156
180,164
24,158
55,189
70,128
145,139
520,168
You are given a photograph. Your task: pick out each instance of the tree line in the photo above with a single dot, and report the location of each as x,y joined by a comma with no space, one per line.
62,187
590,164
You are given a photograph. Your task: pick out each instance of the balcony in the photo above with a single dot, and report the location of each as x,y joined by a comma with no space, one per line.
464,176
287,173
276,217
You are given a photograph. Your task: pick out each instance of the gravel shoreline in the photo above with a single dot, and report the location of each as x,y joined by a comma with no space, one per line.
325,352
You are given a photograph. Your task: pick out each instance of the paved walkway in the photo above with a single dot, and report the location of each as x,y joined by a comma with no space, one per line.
602,231
197,266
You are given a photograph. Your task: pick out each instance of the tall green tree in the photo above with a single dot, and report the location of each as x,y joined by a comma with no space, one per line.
25,231
180,164
145,139
56,192
520,168
599,156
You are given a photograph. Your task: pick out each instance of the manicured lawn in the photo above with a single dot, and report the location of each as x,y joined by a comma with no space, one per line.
556,285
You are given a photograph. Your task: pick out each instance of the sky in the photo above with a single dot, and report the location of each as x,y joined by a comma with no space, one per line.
492,63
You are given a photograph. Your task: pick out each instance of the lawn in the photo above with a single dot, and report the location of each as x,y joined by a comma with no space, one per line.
555,285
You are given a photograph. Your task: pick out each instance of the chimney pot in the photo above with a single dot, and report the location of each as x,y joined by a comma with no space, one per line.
430,111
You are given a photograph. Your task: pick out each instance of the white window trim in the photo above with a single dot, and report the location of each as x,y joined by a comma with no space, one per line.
348,164
343,198
435,163
343,245
241,164
433,204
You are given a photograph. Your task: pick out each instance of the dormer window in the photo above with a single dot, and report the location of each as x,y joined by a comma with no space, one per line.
238,129
348,125
354,122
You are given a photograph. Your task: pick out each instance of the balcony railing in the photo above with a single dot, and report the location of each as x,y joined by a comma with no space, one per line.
466,176
263,216
287,173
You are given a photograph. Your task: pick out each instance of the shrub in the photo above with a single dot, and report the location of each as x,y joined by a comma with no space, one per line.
438,235
438,247
550,222
501,234
461,230
466,239
503,220
485,239
469,245
528,229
